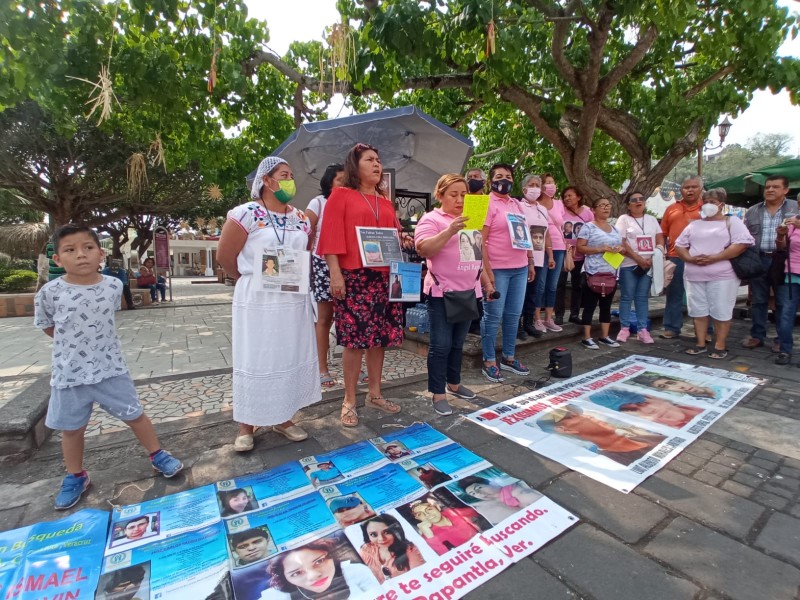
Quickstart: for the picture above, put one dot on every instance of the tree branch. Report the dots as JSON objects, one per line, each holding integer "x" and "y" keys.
{"x": 721, "y": 73}
{"x": 531, "y": 105}
{"x": 626, "y": 65}
{"x": 474, "y": 107}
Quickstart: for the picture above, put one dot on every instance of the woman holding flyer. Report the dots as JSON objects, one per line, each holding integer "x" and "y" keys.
{"x": 364, "y": 317}
{"x": 274, "y": 347}
{"x": 437, "y": 240}
{"x": 507, "y": 268}
{"x": 641, "y": 235}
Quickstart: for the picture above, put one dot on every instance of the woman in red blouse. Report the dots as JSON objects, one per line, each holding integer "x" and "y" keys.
{"x": 364, "y": 317}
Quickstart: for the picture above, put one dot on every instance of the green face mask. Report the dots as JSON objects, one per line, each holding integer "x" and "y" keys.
{"x": 286, "y": 191}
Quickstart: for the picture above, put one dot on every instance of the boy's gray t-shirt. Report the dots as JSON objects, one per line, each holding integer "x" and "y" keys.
{"x": 86, "y": 348}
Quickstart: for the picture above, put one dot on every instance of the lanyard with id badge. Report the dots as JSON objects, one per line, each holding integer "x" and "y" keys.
{"x": 282, "y": 269}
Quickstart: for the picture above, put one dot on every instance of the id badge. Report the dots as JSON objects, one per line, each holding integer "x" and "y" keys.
{"x": 644, "y": 244}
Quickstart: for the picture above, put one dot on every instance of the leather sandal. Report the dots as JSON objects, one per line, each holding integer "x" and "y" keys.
{"x": 383, "y": 404}
{"x": 349, "y": 416}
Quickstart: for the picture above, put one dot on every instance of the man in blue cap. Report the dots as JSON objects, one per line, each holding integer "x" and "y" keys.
{"x": 350, "y": 509}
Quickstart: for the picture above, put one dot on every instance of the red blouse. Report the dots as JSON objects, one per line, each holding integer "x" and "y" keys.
{"x": 345, "y": 210}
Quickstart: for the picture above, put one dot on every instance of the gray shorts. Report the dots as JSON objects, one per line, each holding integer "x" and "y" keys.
{"x": 70, "y": 408}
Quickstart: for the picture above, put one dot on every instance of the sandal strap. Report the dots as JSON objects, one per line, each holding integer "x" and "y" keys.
{"x": 383, "y": 401}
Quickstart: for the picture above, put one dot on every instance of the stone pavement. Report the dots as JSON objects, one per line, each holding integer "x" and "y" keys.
{"x": 721, "y": 521}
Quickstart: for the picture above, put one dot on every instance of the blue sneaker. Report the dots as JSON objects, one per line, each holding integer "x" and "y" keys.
{"x": 72, "y": 489}
{"x": 492, "y": 374}
{"x": 514, "y": 366}
{"x": 166, "y": 464}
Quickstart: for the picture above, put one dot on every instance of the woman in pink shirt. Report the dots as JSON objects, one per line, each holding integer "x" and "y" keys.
{"x": 508, "y": 266}
{"x": 706, "y": 247}
{"x": 575, "y": 216}
{"x": 547, "y": 280}
{"x": 450, "y": 268}
{"x": 788, "y": 293}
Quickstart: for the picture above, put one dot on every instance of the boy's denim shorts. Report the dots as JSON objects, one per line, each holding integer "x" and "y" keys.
{"x": 70, "y": 408}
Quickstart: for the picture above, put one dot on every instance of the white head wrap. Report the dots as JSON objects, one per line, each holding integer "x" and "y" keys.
{"x": 267, "y": 165}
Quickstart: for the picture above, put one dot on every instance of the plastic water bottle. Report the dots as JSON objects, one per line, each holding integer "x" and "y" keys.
{"x": 423, "y": 325}
{"x": 412, "y": 318}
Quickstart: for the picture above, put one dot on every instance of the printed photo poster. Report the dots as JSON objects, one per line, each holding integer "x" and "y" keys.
{"x": 284, "y": 270}
{"x": 621, "y": 423}
{"x": 138, "y": 524}
{"x": 518, "y": 231}
{"x": 405, "y": 282}
{"x": 443, "y": 464}
{"x": 260, "y": 490}
{"x": 571, "y": 228}
{"x": 190, "y": 566}
{"x": 379, "y": 246}
{"x": 410, "y": 442}
{"x": 343, "y": 463}
{"x": 61, "y": 558}
{"x": 538, "y": 233}
{"x": 469, "y": 245}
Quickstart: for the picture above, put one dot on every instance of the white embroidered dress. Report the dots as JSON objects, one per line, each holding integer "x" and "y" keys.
{"x": 275, "y": 370}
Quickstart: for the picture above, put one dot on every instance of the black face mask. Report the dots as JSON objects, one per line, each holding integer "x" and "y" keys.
{"x": 475, "y": 186}
{"x": 502, "y": 186}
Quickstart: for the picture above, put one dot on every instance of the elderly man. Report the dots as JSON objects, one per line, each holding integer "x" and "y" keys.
{"x": 674, "y": 221}
{"x": 763, "y": 220}
{"x": 476, "y": 180}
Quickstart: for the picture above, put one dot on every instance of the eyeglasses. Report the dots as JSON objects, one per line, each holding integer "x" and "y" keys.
{"x": 636, "y": 200}
{"x": 603, "y": 205}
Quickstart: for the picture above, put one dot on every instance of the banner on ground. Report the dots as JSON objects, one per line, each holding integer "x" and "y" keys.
{"x": 621, "y": 423}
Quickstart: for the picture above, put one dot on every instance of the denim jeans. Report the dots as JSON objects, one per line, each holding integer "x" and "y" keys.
{"x": 634, "y": 289}
{"x": 673, "y": 310}
{"x": 759, "y": 301}
{"x": 446, "y": 347}
{"x": 787, "y": 313}
{"x": 506, "y": 309}
{"x": 547, "y": 282}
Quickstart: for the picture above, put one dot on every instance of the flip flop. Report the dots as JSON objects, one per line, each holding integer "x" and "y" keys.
{"x": 363, "y": 377}
{"x": 349, "y": 416}
{"x": 719, "y": 354}
{"x": 695, "y": 350}
{"x": 326, "y": 381}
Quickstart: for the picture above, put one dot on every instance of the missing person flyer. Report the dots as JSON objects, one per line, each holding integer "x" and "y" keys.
{"x": 379, "y": 246}
{"x": 443, "y": 464}
{"x": 296, "y": 521}
{"x": 364, "y": 497}
{"x": 260, "y": 490}
{"x": 161, "y": 518}
{"x": 190, "y": 566}
{"x": 56, "y": 559}
{"x": 410, "y": 442}
{"x": 343, "y": 463}
{"x": 405, "y": 282}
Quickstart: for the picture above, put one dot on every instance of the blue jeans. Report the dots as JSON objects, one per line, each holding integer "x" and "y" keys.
{"x": 673, "y": 310}
{"x": 759, "y": 301}
{"x": 787, "y": 313}
{"x": 446, "y": 347}
{"x": 507, "y": 308}
{"x": 633, "y": 289}
{"x": 547, "y": 282}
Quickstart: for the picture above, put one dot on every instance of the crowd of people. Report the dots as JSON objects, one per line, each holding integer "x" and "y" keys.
{"x": 509, "y": 275}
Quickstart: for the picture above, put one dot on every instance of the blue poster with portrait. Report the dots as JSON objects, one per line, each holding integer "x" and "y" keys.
{"x": 158, "y": 519}
{"x": 443, "y": 464}
{"x": 260, "y": 490}
{"x": 54, "y": 559}
{"x": 409, "y": 442}
{"x": 341, "y": 464}
{"x": 189, "y": 566}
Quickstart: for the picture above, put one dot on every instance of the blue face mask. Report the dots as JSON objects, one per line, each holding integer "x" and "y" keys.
{"x": 475, "y": 186}
{"x": 502, "y": 186}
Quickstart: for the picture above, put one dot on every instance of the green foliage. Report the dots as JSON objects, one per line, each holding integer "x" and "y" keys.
{"x": 17, "y": 281}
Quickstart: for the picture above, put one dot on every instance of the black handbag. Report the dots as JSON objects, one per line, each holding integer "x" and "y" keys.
{"x": 777, "y": 268}
{"x": 459, "y": 306}
{"x": 748, "y": 265}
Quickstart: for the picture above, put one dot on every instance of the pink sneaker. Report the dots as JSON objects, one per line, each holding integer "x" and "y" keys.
{"x": 551, "y": 325}
{"x": 623, "y": 335}
{"x": 644, "y": 337}
{"x": 539, "y": 326}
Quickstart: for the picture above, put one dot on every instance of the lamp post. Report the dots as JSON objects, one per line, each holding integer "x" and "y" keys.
{"x": 723, "y": 129}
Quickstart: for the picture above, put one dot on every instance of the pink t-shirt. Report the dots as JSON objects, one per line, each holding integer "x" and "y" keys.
{"x": 555, "y": 216}
{"x": 711, "y": 237}
{"x": 452, "y": 273}
{"x": 794, "y": 250}
{"x": 572, "y": 225}
{"x": 539, "y": 223}
{"x": 498, "y": 238}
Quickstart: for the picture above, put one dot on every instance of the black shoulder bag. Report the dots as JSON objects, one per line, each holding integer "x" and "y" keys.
{"x": 459, "y": 306}
{"x": 748, "y": 264}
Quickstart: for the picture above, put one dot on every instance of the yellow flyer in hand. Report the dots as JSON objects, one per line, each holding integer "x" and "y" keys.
{"x": 475, "y": 207}
{"x": 613, "y": 258}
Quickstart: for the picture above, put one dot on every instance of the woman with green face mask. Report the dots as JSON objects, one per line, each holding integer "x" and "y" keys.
{"x": 274, "y": 346}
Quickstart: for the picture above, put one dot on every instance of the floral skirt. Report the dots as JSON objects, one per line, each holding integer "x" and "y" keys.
{"x": 365, "y": 318}
{"x": 320, "y": 280}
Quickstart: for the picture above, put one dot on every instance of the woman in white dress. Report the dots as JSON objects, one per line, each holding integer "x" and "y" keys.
{"x": 274, "y": 347}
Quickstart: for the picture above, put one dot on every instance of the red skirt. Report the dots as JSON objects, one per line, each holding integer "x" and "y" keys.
{"x": 365, "y": 318}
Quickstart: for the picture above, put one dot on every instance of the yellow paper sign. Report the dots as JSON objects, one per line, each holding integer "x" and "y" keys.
{"x": 613, "y": 258}
{"x": 475, "y": 207}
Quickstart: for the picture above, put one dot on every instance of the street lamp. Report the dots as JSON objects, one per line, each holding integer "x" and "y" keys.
{"x": 723, "y": 128}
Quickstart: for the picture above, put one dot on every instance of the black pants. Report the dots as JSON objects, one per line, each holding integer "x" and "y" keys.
{"x": 575, "y": 296}
{"x": 126, "y": 291}
{"x": 590, "y": 300}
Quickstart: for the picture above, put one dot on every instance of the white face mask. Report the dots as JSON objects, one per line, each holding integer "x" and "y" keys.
{"x": 709, "y": 210}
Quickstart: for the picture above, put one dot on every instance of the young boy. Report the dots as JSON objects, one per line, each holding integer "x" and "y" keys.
{"x": 77, "y": 311}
